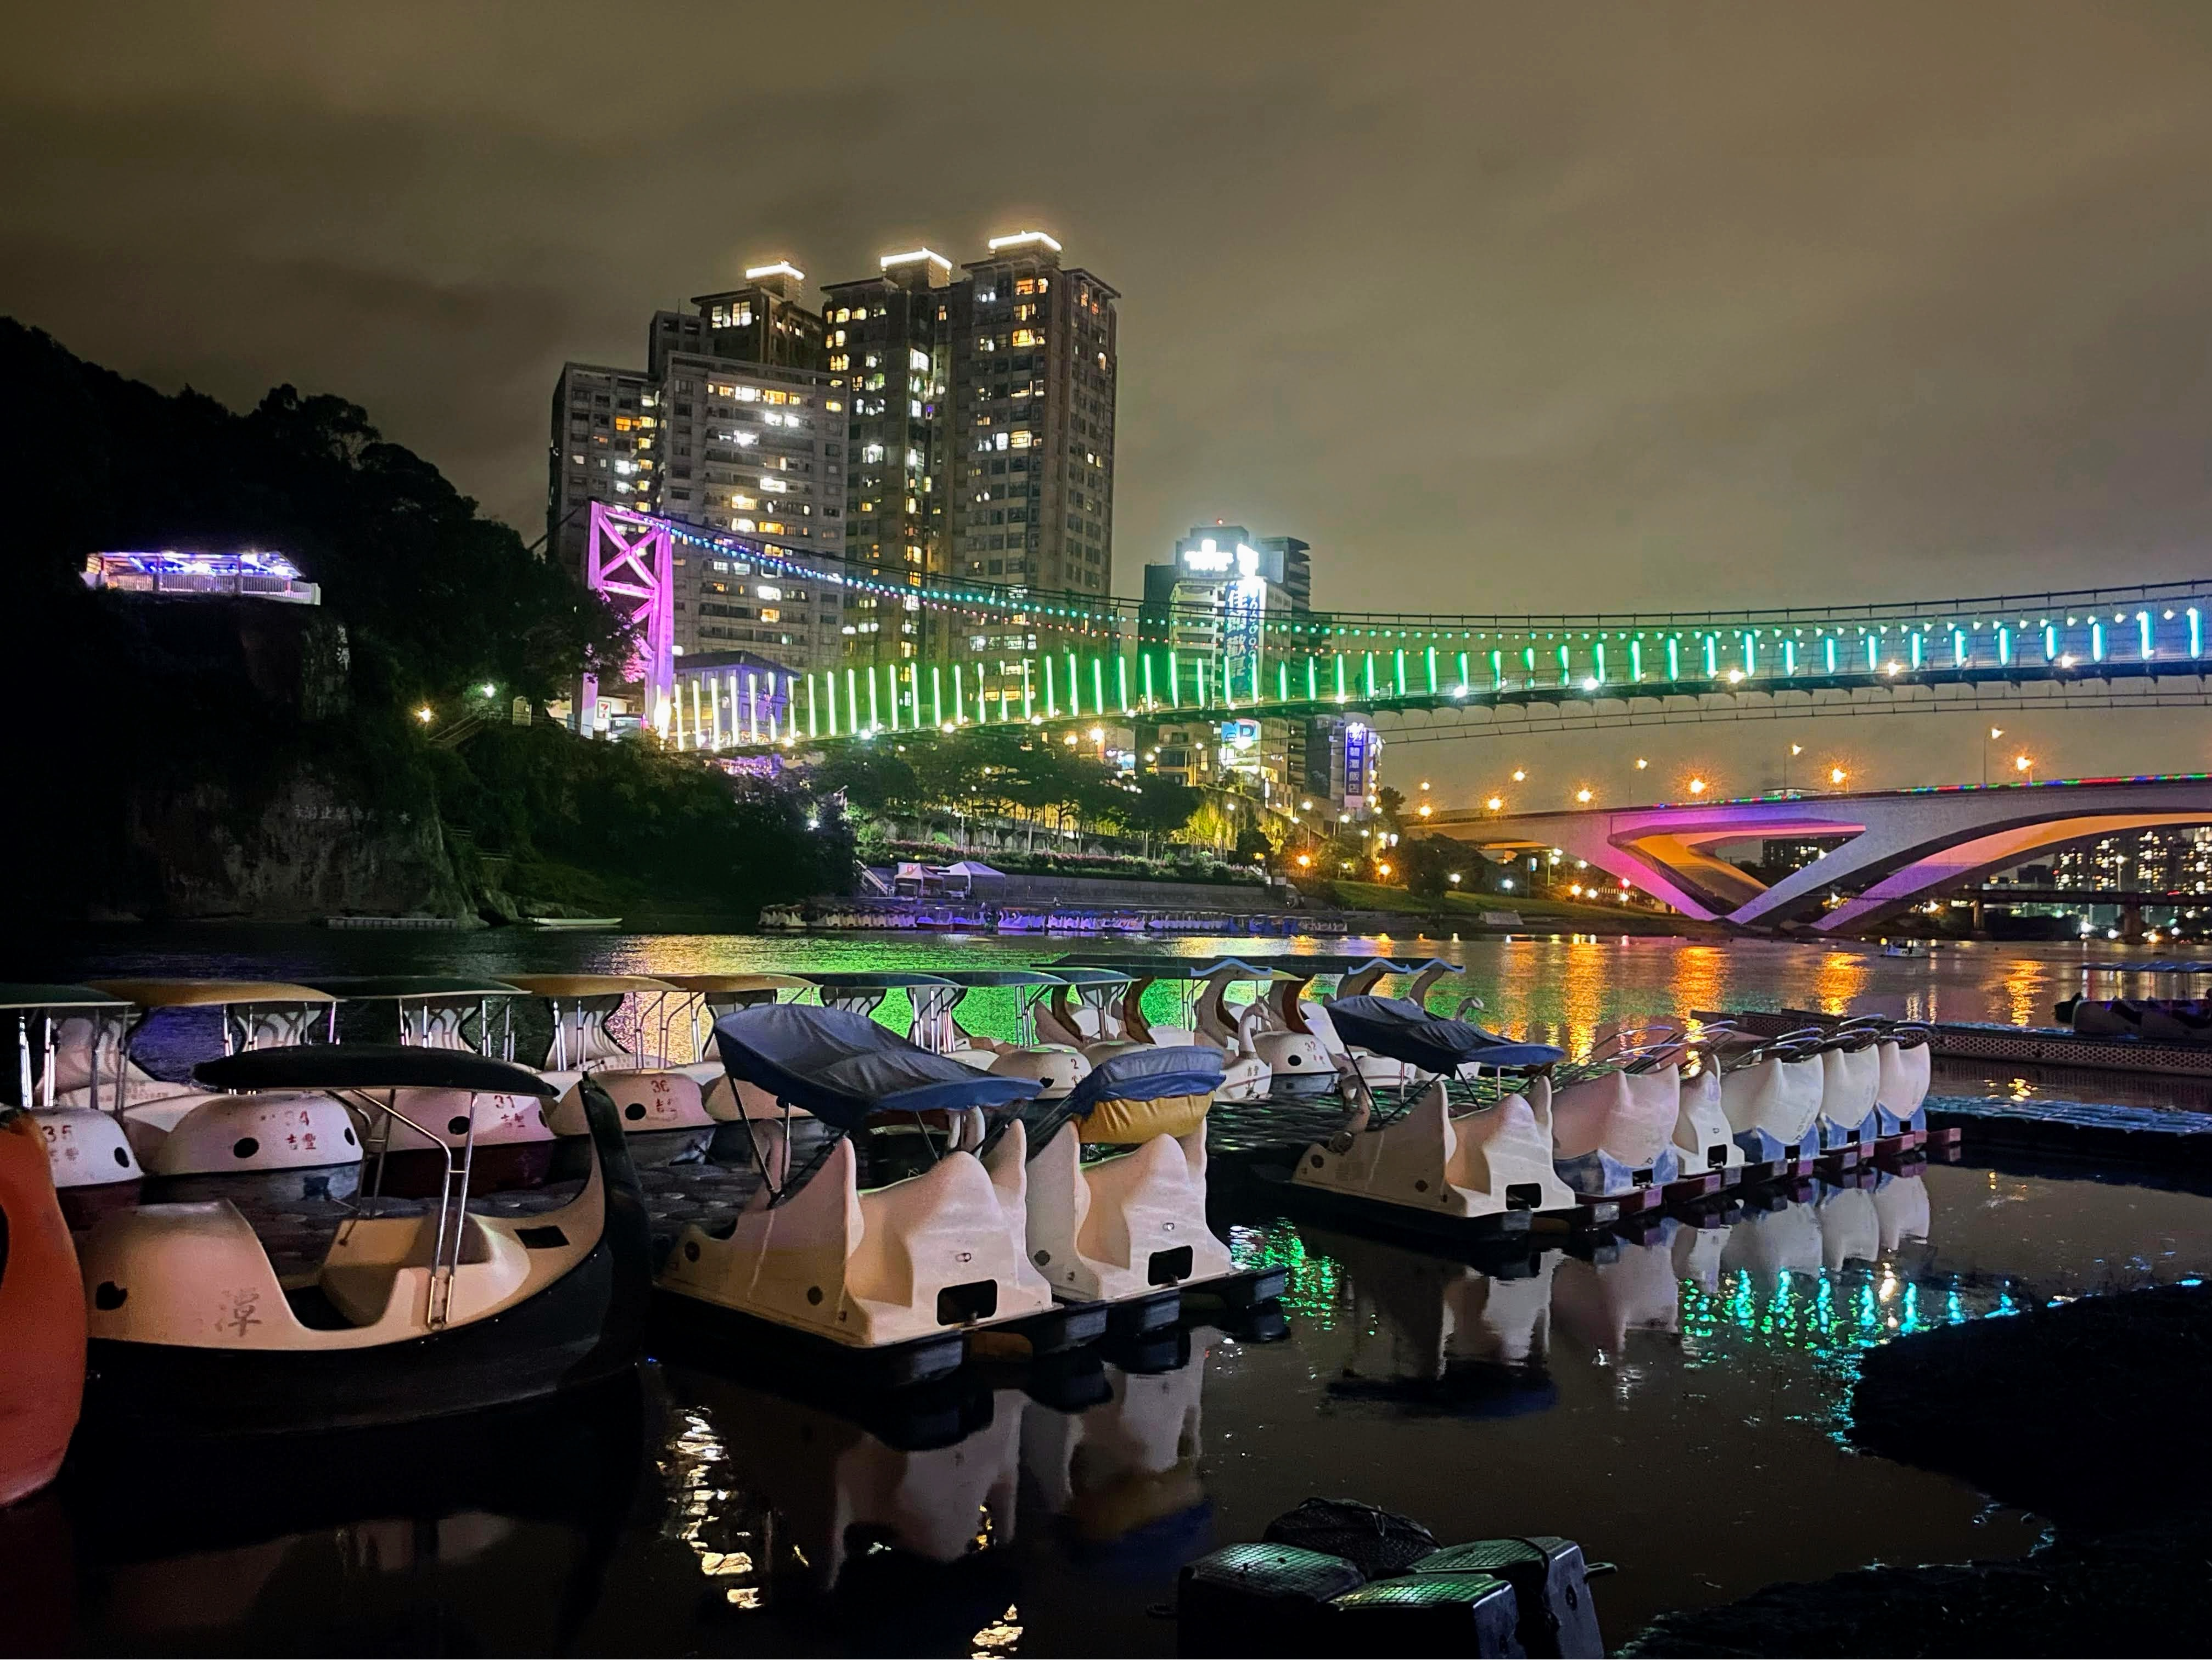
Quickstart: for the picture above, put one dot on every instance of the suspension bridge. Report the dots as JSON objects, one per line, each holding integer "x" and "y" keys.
{"x": 1106, "y": 660}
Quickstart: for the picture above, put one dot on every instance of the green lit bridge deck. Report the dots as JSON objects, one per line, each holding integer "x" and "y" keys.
{"x": 1376, "y": 665}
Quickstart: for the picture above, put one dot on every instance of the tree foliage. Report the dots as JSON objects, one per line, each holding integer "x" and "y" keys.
{"x": 424, "y": 599}
{"x": 1427, "y": 863}
{"x": 1008, "y": 771}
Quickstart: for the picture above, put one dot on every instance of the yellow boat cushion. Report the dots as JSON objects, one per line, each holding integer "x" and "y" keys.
{"x": 1116, "y": 1123}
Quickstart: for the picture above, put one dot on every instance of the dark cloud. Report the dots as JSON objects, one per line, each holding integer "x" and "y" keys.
{"x": 1500, "y": 306}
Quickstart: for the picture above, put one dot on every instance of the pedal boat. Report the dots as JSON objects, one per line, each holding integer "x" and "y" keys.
{"x": 1423, "y": 1161}
{"x": 1057, "y": 1067}
{"x": 705, "y": 998}
{"x": 1350, "y": 975}
{"x": 408, "y": 1317}
{"x": 1614, "y": 1118}
{"x": 514, "y": 1143}
{"x": 1771, "y": 1092}
{"x": 1298, "y": 1063}
{"x": 293, "y": 1143}
{"x": 1244, "y": 1077}
{"x": 876, "y": 1287}
{"x": 41, "y": 1305}
{"x": 657, "y": 1095}
{"x": 1128, "y": 1228}
{"x": 59, "y": 1032}
{"x": 1903, "y": 1072}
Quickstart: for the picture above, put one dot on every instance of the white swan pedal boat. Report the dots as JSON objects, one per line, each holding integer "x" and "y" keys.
{"x": 408, "y": 1317}
{"x": 280, "y": 1143}
{"x": 879, "y": 1286}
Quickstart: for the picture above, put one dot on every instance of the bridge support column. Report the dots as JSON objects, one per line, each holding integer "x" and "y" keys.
{"x": 2131, "y": 922}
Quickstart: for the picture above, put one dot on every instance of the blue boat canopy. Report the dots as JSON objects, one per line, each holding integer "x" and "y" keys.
{"x": 1150, "y": 1073}
{"x": 1402, "y": 1030}
{"x": 844, "y": 1068}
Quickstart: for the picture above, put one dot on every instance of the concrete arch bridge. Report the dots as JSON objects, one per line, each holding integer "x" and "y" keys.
{"x": 1904, "y": 846}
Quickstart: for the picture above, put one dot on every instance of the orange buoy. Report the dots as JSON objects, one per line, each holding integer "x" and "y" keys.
{"x": 42, "y": 1311}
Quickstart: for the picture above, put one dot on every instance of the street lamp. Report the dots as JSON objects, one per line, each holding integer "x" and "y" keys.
{"x": 1496, "y": 804}
{"x": 1452, "y": 877}
{"x": 1696, "y": 786}
{"x": 1837, "y": 775}
{"x": 1519, "y": 776}
{"x": 425, "y": 714}
{"x": 1996, "y": 733}
{"x": 1795, "y": 749}
{"x": 2025, "y": 763}
{"x": 1582, "y": 795}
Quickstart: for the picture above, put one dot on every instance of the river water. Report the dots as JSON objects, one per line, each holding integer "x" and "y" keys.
{"x": 1673, "y": 1405}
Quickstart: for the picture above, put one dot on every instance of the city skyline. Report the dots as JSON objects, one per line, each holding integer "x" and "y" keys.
{"x": 1512, "y": 308}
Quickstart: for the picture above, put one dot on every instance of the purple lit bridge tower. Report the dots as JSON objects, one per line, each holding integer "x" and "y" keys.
{"x": 629, "y": 557}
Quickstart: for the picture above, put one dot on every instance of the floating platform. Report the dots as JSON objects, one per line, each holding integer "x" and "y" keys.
{"x": 2165, "y": 1137}
{"x": 1267, "y": 1173}
{"x": 2041, "y": 1046}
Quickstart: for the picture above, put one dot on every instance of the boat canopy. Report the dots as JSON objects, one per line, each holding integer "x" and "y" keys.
{"x": 976, "y": 979}
{"x": 871, "y": 980}
{"x": 1150, "y": 1073}
{"x": 1151, "y": 968}
{"x": 1318, "y": 963}
{"x": 370, "y": 1067}
{"x": 26, "y": 997}
{"x": 844, "y": 1068}
{"x": 1403, "y": 1030}
{"x": 209, "y": 994}
{"x": 586, "y": 985}
{"x": 730, "y": 985}
{"x": 415, "y": 988}
{"x": 1083, "y": 975}
{"x": 1238, "y": 968}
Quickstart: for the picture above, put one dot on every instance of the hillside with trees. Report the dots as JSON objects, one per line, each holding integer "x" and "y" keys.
{"x": 204, "y": 756}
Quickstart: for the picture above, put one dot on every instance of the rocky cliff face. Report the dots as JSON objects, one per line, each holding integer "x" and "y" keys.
{"x": 306, "y": 851}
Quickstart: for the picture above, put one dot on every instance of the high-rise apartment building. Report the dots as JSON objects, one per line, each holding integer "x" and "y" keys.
{"x": 604, "y": 424}
{"x": 754, "y": 451}
{"x": 926, "y": 424}
{"x": 884, "y": 341}
{"x": 753, "y": 445}
{"x": 1034, "y": 363}
{"x": 1211, "y": 631}
{"x": 765, "y": 321}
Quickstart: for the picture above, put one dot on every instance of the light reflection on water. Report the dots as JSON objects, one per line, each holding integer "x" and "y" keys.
{"x": 1564, "y": 991}
{"x": 1672, "y": 1403}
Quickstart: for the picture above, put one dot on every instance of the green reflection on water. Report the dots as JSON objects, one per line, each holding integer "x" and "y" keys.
{"x": 1838, "y": 1316}
{"x": 1317, "y": 1289}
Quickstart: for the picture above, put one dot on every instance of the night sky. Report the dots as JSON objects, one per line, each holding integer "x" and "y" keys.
{"x": 1511, "y": 307}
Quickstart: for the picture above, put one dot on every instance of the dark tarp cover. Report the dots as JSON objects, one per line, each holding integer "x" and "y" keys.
{"x": 843, "y": 1068}
{"x": 369, "y": 1066}
{"x": 1402, "y": 1030}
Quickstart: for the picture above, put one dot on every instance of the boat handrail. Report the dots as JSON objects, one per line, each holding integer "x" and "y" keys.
{"x": 446, "y": 1251}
